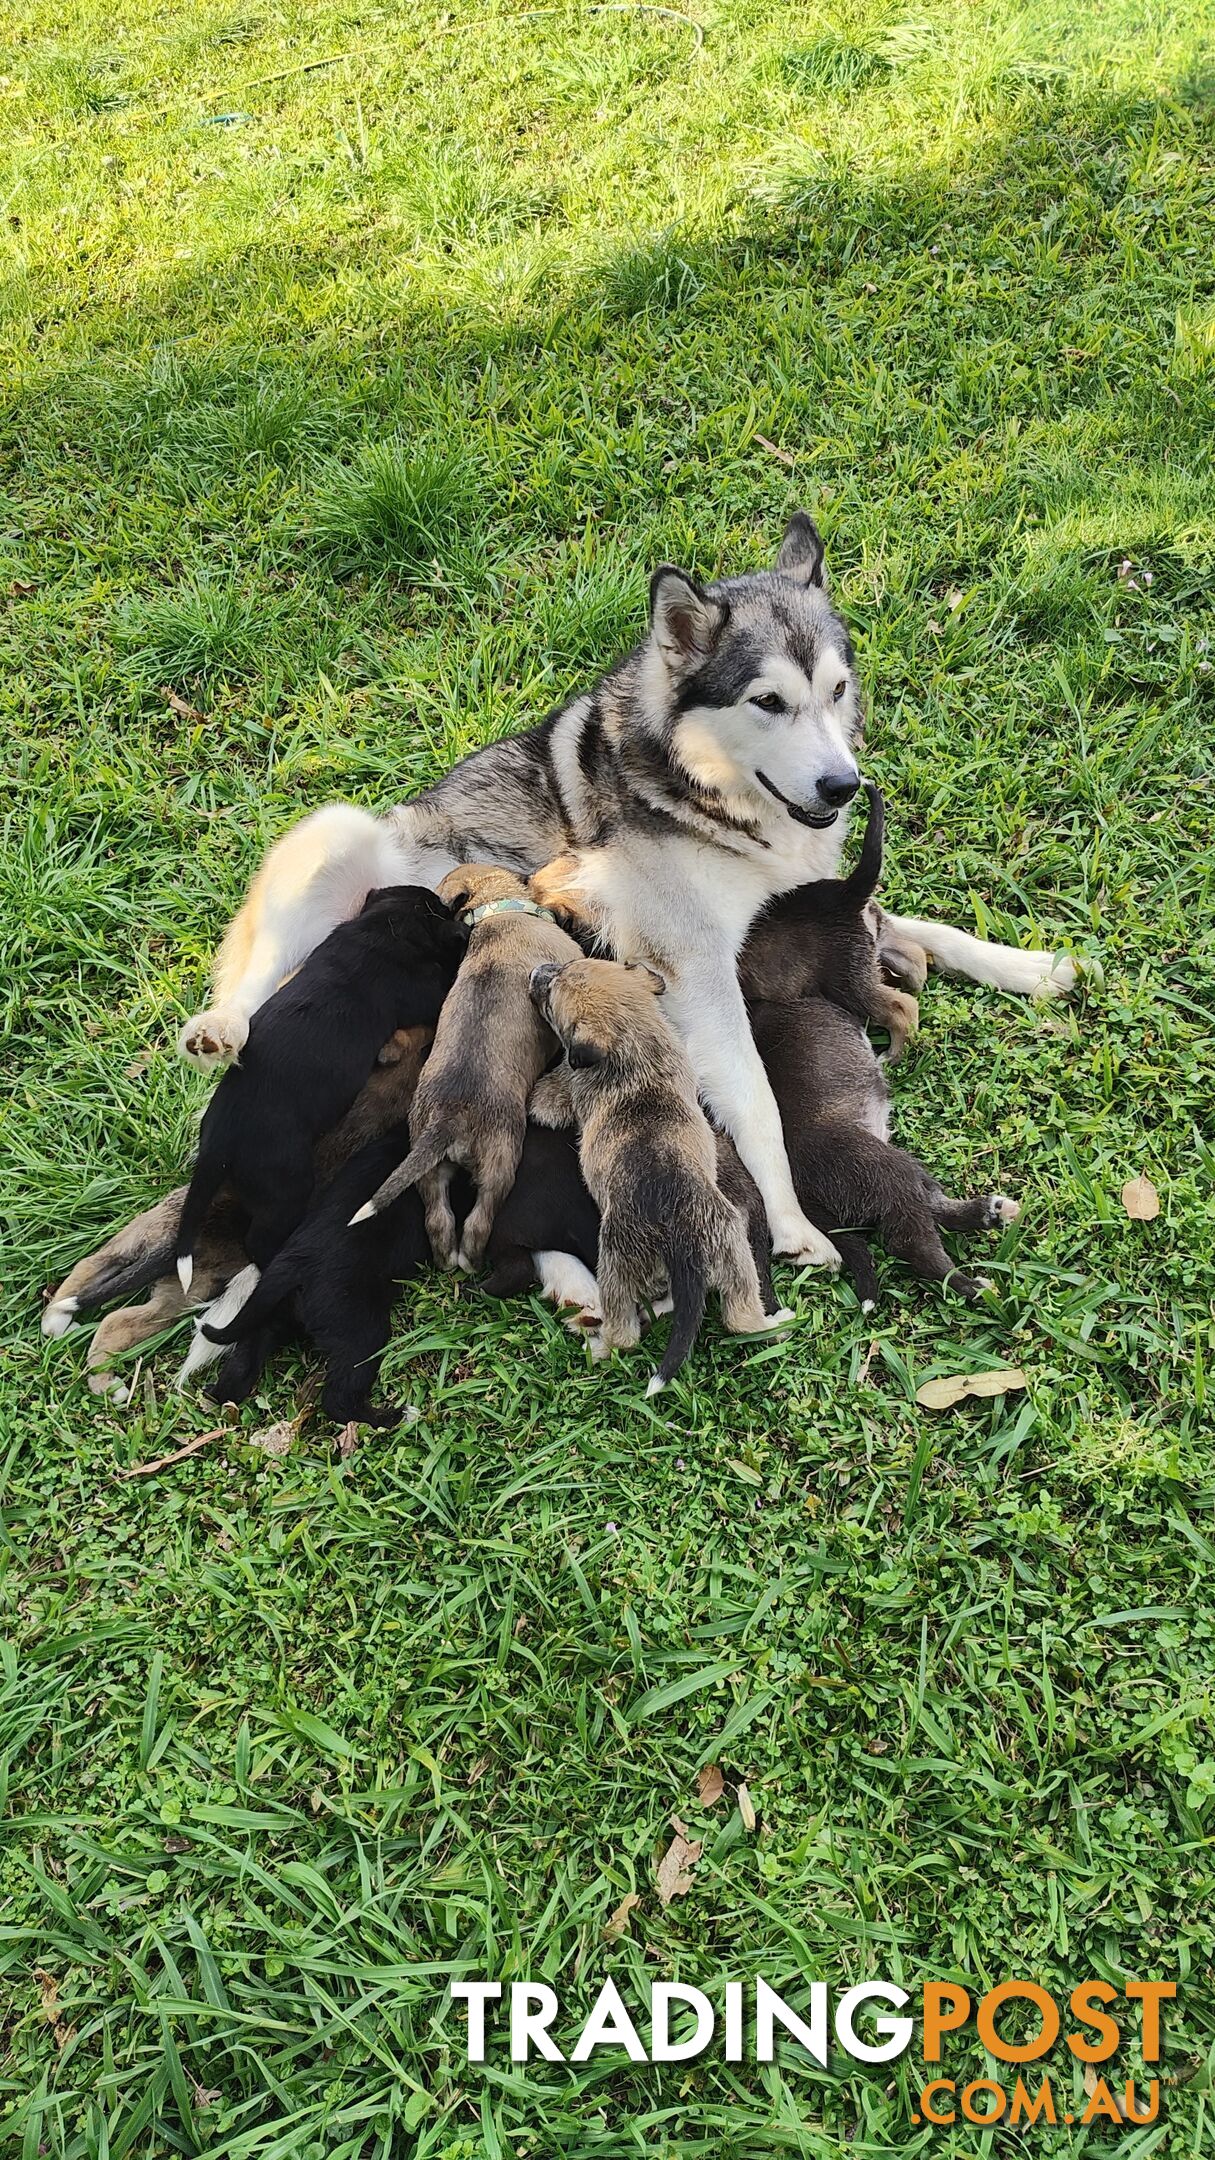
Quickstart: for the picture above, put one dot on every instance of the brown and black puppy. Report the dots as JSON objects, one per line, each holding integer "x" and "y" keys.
{"x": 490, "y": 1048}
{"x": 819, "y": 941}
{"x": 649, "y": 1158}
{"x": 311, "y": 1049}
{"x": 834, "y": 1108}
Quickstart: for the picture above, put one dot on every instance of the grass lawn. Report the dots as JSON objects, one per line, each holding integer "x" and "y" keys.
{"x": 345, "y": 412}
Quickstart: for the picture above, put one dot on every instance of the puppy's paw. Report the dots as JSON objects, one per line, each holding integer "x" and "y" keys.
{"x": 1002, "y": 1210}
{"x": 798, "y": 1240}
{"x": 110, "y": 1384}
{"x": 559, "y": 886}
{"x": 213, "y": 1039}
{"x": 59, "y": 1315}
{"x": 598, "y": 1348}
{"x": 579, "y": 1322}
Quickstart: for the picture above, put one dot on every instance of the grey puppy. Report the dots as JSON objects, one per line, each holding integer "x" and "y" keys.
{"x": 491, "y": 1046}
{"x": 649, "y": 1158}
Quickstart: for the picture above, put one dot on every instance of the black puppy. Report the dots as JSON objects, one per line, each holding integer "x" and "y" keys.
{"x": 834, "y": 1107}
{"x": 335, "y": 1284}
{"x": 311, "y": 1047}
{"x": 818, "y": 941}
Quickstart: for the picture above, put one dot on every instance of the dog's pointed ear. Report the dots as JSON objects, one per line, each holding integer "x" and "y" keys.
{"x": 685, "y": 621}
{"x": 801, "y": 551}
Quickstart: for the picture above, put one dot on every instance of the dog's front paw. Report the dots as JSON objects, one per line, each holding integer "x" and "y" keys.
{"x": 213, "y": 1038}
{"x": 799, "y": 1241}
{"x": 1000, "y": 1209}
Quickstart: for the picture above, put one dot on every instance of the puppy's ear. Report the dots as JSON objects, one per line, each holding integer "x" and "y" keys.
{"x": 685, "y": 622}
{"x": 657, "y": 983}
{"x": 582, "y": 1053}
{"x": 801, "y": 551}
{"x": 541, "y": 980}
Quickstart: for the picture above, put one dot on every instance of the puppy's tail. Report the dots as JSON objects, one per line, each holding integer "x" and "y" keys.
{"x": 688, "y": 1291}
{"x": 862, "y": 881}
{"x": 426, "y": 1156}
{"x": 209, "y": 1174}
{"x": 273, "y": 1285}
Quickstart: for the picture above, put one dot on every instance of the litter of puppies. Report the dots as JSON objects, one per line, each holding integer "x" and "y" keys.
{"x": 460, "y": 1076}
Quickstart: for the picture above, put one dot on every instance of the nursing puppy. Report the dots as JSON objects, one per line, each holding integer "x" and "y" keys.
{"x": 548, "y": 1226}
{"x": 835, "y": 1109}
{"x": 818, "y": 942}
{"x": 491, "y": 1046}
{"x": 335, "y": 1284}
{"x": 649, "y": 1159}
{"x": 311, "y": 1049}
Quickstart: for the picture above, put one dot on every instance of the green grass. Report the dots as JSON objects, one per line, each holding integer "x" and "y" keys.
{"x": 357, "y": 422}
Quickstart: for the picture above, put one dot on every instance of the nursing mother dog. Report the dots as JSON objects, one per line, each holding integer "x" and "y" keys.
{"x": 707, "y": 772}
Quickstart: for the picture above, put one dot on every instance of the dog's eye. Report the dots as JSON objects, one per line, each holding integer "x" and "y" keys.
{"x": 770, "y": 701}
{"x": 838, "y": 692}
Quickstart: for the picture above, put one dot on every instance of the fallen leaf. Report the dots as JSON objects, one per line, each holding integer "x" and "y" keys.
{"x": 674, "y": 1872}
{"x": 348, "y": 1440}
{"x": 205, "y": 2095}
{"x": 48, "y": 1989}
{"x": 710, "y": 1785}
{"x": 954, "y": 599}
{"x": 1092, "y": 2083}
{"x": 786, "y": 456}
{"x": 275, "y": 1439}
{"x": 743, "y": 1470}
{"x": 745, "y": 1808}
{"x": 618, "y": 1924}
{"x": 479, "y": 1768}
{"x": 138, "y": 1065}
{"x": 181, "y": 707}
{"x": 943, "y": 1394}
{"x": 1141, "y": 1199}
{"x": 21, "y": 588}
{"x": 162, "y": 1462}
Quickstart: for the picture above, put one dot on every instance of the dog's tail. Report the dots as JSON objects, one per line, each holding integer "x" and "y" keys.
{"x": 689, "y": 1288}
{"x": 861, "y": 882}
{"x": 426, "y": 1156}
{"x": 209, "y": 1173}
{"x": 274, "y": 1284}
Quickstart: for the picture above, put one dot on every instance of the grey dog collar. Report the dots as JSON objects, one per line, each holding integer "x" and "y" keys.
{"x": 506, "y": 907}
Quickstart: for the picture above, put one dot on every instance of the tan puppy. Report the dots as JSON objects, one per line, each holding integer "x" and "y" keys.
{"x": 490, "y": 1048}
{"x": 649, "y": 1158}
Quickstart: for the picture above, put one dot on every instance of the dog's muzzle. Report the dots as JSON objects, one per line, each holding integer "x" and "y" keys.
{"x": 817, "y": 819}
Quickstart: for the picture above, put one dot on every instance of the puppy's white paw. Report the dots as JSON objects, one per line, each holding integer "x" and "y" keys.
{"x": 213, "y": 1038}
{"x": 108, "y": 1383}
{"x": 58, "y": 1315}
{"x": 655, "y": 1386}
{"x": 798, "y": 1240}
{"x": 598, "y": 1348}
{"x": 1001, "y": 1209}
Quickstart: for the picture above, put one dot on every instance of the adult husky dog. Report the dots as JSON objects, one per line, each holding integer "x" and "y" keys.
{"x": 705, "y": 774}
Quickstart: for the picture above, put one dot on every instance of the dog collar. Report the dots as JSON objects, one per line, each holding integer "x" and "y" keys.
{"x": 506, "y": 907}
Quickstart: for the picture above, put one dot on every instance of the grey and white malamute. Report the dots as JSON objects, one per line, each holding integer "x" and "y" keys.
{"x": 708, "y": 771}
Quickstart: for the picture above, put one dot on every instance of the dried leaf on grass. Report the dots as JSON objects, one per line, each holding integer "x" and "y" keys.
{"x": 618, "y": 1924}
{"x": 276, "y": 1439}
{"x": 710, "y": 1785}
{"x": 191, "y": 1447}
{"x": 48, "y": 1990}
{"x": 181, "y": 707}
{"x": 348, "y": 1440}
{"x": 1093, "y": 2084}
{"x": 746, "y": 1808}
{"x": 674, "y": 1873}
{"x": 959, "y": 1387}
{"x": 1141, "y": 1199}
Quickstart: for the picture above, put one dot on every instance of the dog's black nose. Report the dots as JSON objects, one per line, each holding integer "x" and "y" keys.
{"x": 837, "y": 788}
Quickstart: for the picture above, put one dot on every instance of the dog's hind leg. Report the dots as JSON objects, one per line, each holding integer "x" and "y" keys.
{"x": 435, "y": 1190}
{"x": 734, "y": 1272}
{"x": 496, "y": 1169}
{"x": 989, "y": 1213}
{"x": 621, "y": 1325}
{"x": 909, "y": 1233}
{"x": 316, "y": 876}
{"x": 126, "y": 1329}
{"x": 132, "y": 1259}
{"x": 1005, "y": 967}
